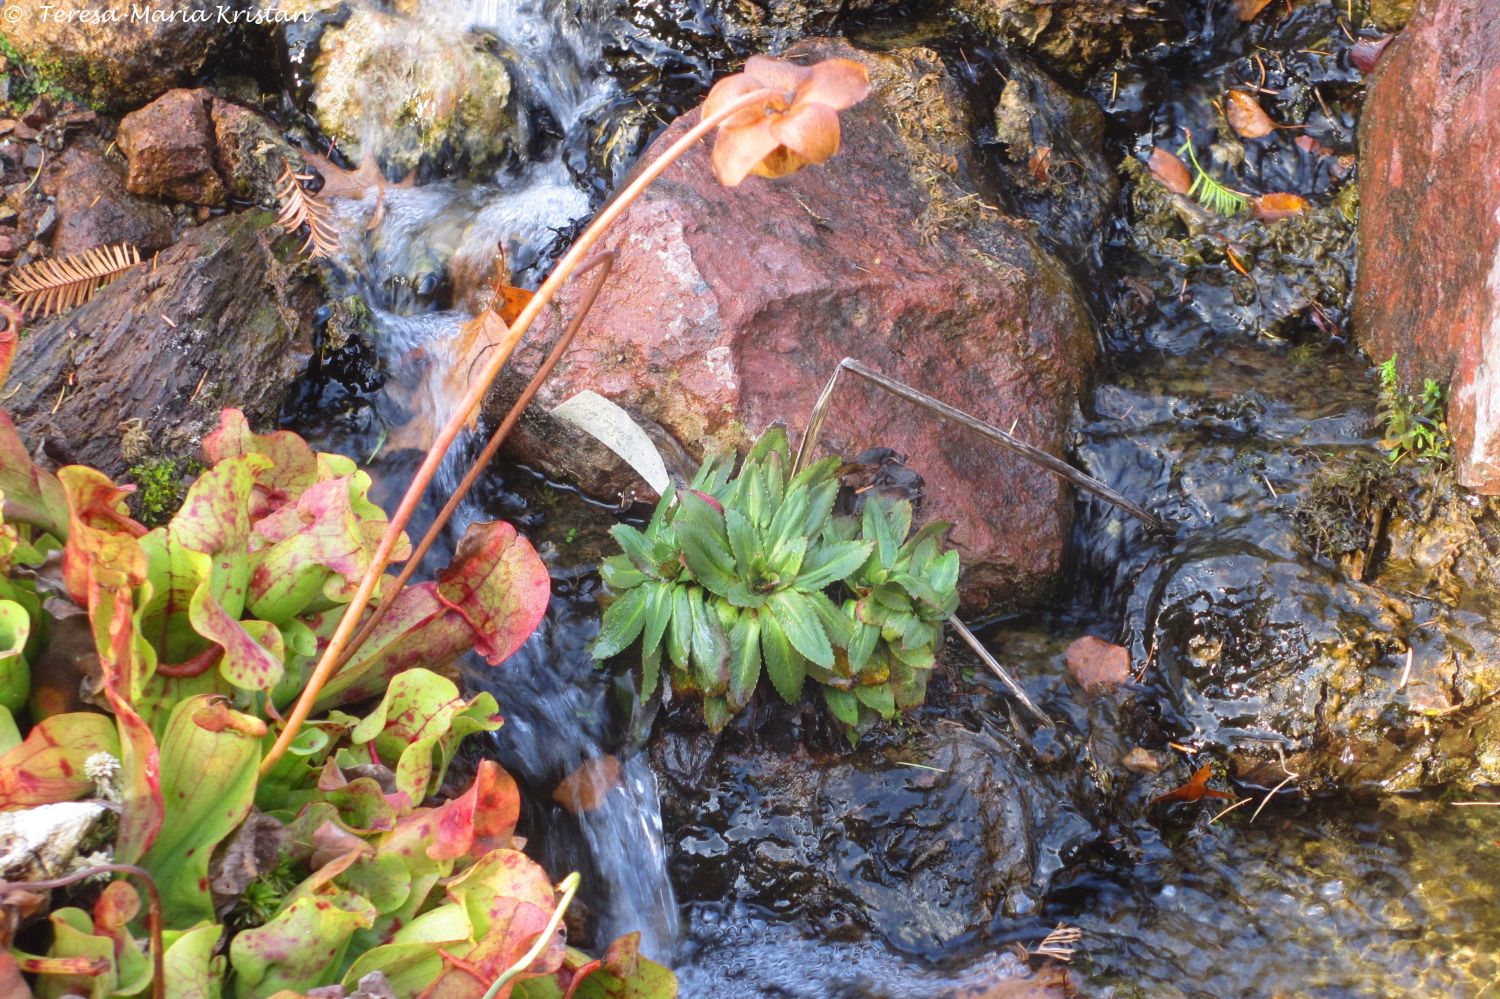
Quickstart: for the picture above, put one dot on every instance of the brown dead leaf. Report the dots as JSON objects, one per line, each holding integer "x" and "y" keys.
{"x": 1040, "y": 164}
{"x": 1365, "y": 53}
{"x": 1096, "y": 663}
{"x": 1170, "y": 170}
{"x": 584, "y": 789}
{"x": 1246, "y": 116}
{"x": 1270, "y": 207}
{"x": 1248, "y": 9}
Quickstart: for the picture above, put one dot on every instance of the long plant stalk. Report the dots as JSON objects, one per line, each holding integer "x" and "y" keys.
{"x": 1016, "y": 690}
{"x": 605, "y": 260}
{"x": 988, "y": 431}
{"x": 333, "y": 653}
{"x": 153, "y": 910}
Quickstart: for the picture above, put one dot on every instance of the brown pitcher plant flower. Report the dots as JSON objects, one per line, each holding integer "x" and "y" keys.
{"x": 795, "y": 125}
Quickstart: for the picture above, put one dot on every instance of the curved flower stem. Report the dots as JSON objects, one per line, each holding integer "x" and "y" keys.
{"x": 606, "y": 260}
{"x": 569, "y": 888}
{"x": 569, "y": 263}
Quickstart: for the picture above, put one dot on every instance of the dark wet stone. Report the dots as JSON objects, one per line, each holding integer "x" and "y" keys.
{"x": 1265, "y": 647}
{"x": 919, "y": 844}
{"x": 221, "y": 318}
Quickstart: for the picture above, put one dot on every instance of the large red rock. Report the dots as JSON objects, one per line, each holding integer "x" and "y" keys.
{"x": 729, "y": 309}
{"x": 1429, "y": 219}
{"x": 170, "y": 144}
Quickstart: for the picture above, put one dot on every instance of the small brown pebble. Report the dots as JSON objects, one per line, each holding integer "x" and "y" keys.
{"x": 1096, "y": 663}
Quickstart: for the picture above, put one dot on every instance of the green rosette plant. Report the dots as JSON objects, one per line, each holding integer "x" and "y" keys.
{"x": 739, "y": 575}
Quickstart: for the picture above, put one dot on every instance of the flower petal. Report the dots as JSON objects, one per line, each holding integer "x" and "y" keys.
{"x": 781, "y": 162}
{"x": 729, "y": 90}
{"x": 778, "y": 74}
{"x": 737, "y": 151}
{"x": 810, "y": 130}
{"x": 838, "y": 83}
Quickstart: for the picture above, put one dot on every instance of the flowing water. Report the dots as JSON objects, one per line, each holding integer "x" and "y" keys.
{"x": 1194, "y": 412}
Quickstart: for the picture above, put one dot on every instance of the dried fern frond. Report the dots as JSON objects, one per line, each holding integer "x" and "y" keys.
{"x": 1060, "y": 944}
{"x": 1209, "y": 192}
{"x": 48, "y": 287}
{"x": 299, "y": 208}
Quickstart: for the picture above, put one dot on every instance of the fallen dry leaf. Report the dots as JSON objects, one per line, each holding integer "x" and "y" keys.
{"x": 1170, "y": 170}
{"x": 1246, "y": 116}
{"x": 1270, "y": 207}
{"x": 1096, "y": 663}
{"x": 584, "y": 789}
{"x": 1040, "y": 164}
{"x": 1365, "y": 53}
{"x": 1141, "y": 761}
{"x": 1196, "y": 789}
{"x": 1248, "y": 9}
{"x": 1308, "y": 144}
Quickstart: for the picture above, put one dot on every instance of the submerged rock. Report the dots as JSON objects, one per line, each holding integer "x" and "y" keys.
{"x": 108, "y": 56}
{"x": 221, "y": 318}
{"x": 1072, "y": 36}
{"x": 1376, "y": 669}
{"x": 385, "y": 85}
{"x": 1429, "y": 234}
{"x": 728, "y": 309}
{"x": 919, "y": 845}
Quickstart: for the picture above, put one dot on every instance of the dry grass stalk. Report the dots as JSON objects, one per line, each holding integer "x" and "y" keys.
{"x": 47, "y": 287}
{"x": 299, "y": 208}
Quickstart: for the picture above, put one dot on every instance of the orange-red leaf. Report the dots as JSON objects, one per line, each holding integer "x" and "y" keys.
{"x": 1246, "y": 116}
{"x": 584, "y": 789}
{"x": 1248, "y": 9}
{"x": 1278, "y": 206}
{"x": 1196, "y": 789}
{"x": 1170, "y": 170}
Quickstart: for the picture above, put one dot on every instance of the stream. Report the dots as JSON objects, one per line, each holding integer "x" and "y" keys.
{"x": 1212, "y": 405}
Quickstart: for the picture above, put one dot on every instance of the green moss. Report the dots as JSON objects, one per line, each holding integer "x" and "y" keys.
{"x": 1349, "y": 499}
{"x": 33, "y": 78}
{"x": 160, "y": 487}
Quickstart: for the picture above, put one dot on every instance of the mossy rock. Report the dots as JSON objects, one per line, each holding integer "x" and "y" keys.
{"x": 406, "y": 93}
{"x": 111, "y": 58}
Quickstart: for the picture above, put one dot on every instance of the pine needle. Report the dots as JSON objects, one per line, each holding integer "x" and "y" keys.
{"x": 1210, "y": 193}
{"x": 299, "y": 208}
{"x": 48, "y": 287}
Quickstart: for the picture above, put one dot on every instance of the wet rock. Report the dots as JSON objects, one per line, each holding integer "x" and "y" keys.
{"x": 1071, "y": 36}
{"x": 224, "y": 317}
{"x": 170, "y": 146}
{"x": 774, "y": 24}
{"x": 728, "y": 309}
{"x": 384, "y": 84}
{"x": 109, "y": 57}
{"x": 249, "y": 152}
{"x": 1052, "y": 144}
{"x": 919, "y": 844}
{"x": 94, "y": 208}
{"x": 1375, "y": 673}
{"x": 1429, "y": 196}
{"x": 1097, "y": 664}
